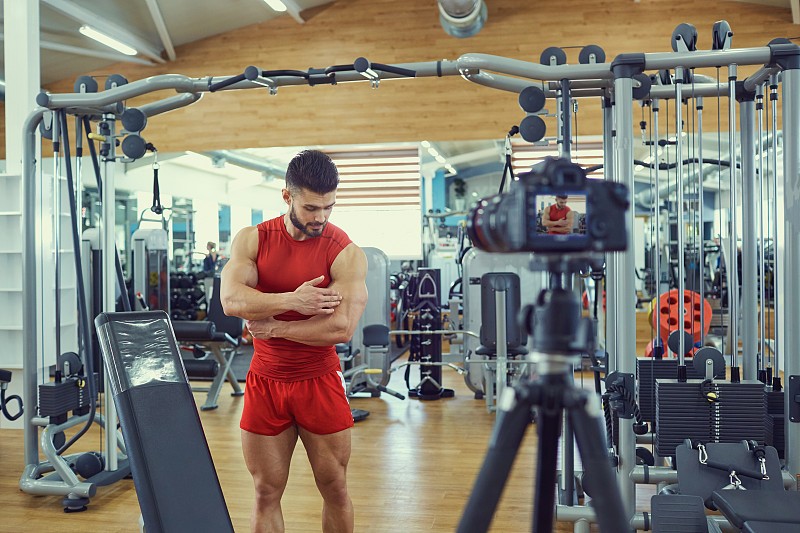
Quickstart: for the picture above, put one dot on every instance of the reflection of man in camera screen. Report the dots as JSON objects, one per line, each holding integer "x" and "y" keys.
{"x": 557, "y": 218}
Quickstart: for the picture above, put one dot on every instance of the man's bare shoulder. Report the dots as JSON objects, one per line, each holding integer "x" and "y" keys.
{"x": 351, "y": 261}
{"x": 245, "y": 243}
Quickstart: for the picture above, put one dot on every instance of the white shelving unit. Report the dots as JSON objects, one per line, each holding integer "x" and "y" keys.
{"x": 11, "y": 329}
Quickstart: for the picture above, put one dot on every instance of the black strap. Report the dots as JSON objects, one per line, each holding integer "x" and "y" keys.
{"x": 156, "y": 207}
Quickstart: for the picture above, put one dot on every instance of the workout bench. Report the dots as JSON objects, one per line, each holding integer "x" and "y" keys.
{"x": 176, "y": 483}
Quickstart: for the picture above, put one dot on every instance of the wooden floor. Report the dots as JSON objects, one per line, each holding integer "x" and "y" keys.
{"x": 412, "y": 469}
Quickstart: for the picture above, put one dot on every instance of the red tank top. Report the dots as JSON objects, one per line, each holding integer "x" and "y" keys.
{"x": 283, "y": 265}
{"x": 557, "y": 214}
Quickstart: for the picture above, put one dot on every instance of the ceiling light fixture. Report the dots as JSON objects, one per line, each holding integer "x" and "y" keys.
{"x": 277, "y": 5}
{"x": 102, "y": 38}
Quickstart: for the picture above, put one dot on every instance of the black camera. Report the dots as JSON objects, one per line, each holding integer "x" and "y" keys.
{"x": 553, "y": 208}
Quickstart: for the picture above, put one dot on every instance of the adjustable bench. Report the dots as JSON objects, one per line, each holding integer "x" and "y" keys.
{"x": 174, "y": 475}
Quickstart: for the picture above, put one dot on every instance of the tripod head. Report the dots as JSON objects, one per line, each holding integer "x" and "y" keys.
{"x": 555, "y": 322}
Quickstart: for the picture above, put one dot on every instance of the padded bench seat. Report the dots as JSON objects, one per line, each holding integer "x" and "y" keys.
{"x": 750, "y": 506}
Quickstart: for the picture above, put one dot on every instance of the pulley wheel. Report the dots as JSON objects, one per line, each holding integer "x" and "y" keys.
{"x": 115, "y": 80}
{"x": 532, "y": 99}
{"x": 532, "y": 128}
{"x": 85, "y": 84}
{"x": 674, "y": 342}
{"x": 708, "y": 353}
{"x": 134, "y": 120}
{"x": 643, "y": 90}
{"x": 134, "y": 146}
{"x": 553, "y": 56}
{"x": 688, "y": 34}
{"x": 591, "y": 54}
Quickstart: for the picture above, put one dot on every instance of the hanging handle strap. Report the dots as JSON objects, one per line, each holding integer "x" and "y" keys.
{"x": 156, "y": 208}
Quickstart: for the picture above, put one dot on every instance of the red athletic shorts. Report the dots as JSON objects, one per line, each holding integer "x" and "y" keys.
{"x": 318, "y": 405}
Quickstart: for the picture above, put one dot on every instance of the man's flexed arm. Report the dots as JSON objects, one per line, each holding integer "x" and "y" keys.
{"x": 239, "y": 278}
{"x": 348, "y": 275}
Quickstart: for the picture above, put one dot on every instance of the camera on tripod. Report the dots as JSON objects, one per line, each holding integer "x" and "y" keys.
{"x": 527, "y": 219}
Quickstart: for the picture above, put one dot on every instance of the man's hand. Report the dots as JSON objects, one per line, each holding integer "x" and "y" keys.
{"x": 261, "y": 329}
{"x": 312, "y": 300}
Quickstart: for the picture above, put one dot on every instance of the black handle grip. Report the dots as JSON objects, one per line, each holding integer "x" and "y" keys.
{"x": 226, "y": 83}
{"x": 395, "y": 70}
{"x": 393, "y": 393}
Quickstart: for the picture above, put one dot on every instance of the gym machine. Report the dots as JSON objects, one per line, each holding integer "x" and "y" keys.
{"x": 150, "y": 260}
{"x": 615, "y": 84}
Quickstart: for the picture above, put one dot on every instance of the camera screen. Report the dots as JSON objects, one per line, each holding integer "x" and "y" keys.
{"x": 561, "y": 214}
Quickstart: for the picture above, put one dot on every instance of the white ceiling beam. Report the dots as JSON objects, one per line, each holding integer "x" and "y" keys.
{"x": 294, "y": 10}
{"x": 77, "y": 50}
{"x": 86, "y": 16}
{"x": 161, "y": 28}
{"x": 795, "y": 11}
{"x": 68, "y": 49}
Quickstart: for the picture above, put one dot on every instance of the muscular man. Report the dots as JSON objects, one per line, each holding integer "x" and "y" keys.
{"x": 299, "y": 282}
{"x": 558, "y": 218}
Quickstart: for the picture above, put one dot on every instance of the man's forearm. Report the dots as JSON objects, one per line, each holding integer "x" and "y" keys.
{"x": 251, "y": 304}
{"x": 316, "y": 331}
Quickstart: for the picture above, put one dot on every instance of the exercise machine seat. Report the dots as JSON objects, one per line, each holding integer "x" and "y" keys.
{"x": 678, "y": 513}
{"x": 173, "y": 472}
{"x": 375, "y": 335}
{"x": 770, "y": 527}
{"x": 491, "y": 283}
{"x": 741, "y": 506}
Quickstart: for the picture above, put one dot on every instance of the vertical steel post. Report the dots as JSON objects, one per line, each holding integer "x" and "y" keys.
{"x": 680, "y": 223}
{"x": 791, "y": 262}
{"x": 733, "y": 256}
{"x": 747, "y": 109}
{"x": 624, "y": 67}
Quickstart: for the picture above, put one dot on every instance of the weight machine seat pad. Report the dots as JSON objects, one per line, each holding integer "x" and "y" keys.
{"x": 194, "y": 330}
{"x": 741, "y": 506}
{"x": 201, "y": 368}
{"x": 678, "y": 513}
{"x": 375, "y": 335}
{"x": 769, "y": 527}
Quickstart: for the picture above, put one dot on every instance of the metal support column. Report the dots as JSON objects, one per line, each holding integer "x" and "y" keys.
{"x": 791, "y": 256}
{"x": 747, "y": 117}
{"x": 625, "y": 317}
{"x": 611, "y": 277}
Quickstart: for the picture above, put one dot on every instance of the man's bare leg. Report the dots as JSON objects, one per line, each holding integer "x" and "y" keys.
{"x": 329, "y": 455}
{"x": 268, "y": 459}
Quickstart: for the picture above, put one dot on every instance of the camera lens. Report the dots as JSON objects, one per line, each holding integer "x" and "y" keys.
{"x": 488, "y": 224}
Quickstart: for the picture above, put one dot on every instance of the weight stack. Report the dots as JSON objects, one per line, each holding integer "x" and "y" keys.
{"x": 648, "y": 370}
{"x": 58, "y": 399}
{"x": 775, "y": 418}
{"x": 682, "y": 412}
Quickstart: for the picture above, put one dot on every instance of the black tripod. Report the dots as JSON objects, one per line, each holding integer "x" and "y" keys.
{"x": 560, "y": 334}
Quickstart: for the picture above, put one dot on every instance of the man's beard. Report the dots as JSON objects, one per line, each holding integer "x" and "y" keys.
{"x": 310, "y": 232}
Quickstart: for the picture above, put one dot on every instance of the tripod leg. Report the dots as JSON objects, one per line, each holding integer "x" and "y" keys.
{"x": 585, "y": 415}
{"x": 506, "y": 437}
{"x": 548, "y": 426}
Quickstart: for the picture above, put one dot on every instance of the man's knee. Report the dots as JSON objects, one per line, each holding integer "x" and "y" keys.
{"x": 268, "y": 492}
{"x": 334, "y": 489}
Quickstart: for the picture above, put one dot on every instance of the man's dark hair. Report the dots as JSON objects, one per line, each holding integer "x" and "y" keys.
{"x": 312, "y": 170}
{"x": 562, "y": 196}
